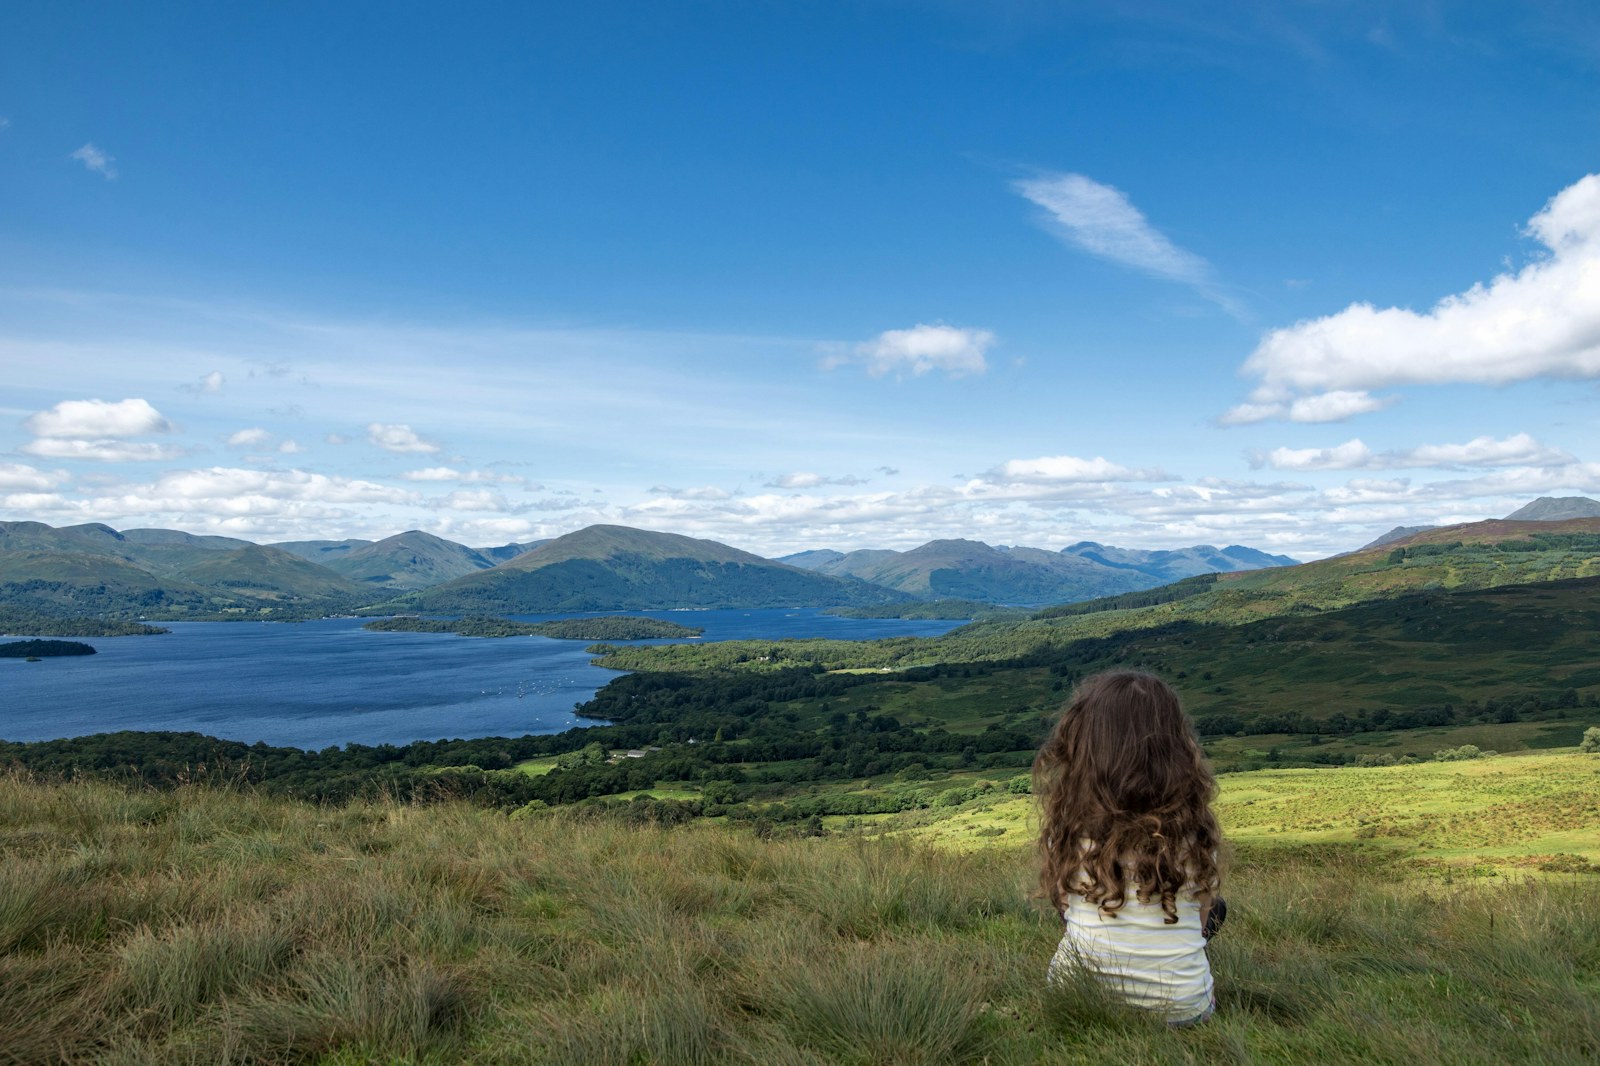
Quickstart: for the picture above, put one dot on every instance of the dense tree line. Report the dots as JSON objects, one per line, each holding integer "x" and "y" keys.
{"x": 38, "y": 624}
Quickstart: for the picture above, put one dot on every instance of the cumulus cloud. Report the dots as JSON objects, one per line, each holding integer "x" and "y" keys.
{"x": 1101, "y": 220}
{"x": 1519, "y": 450}
{"x": 290, "y": 447}
{"x": 805, "y": 480}
{"x": 957, "y": 352}
{"x": 399, "y": 437}
{"x": 249, "y": 438}
{"x": 96, "y": 161}
{"x": 84, "y": 419}
{"x": 1540, "y": 321}
{"x": 1059, "y": 469}
{"x": 19, "y": 476}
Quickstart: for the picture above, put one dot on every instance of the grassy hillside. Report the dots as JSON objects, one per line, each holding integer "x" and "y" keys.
{"x": 95, "y": 571}
{"x": 1452, "y": 559}
{"x": 204, "y": 926}
{"x": 1501, "y": 818}
{"x": 410, "y": 560}
{"x": 604, "y": 568}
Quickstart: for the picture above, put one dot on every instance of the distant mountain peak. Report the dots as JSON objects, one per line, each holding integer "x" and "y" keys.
{"x": 1556, "y": 509}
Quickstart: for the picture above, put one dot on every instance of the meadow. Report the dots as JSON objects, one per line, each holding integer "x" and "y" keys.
{"x": 206, "y": 925}
{"x": 1499, "y": 818}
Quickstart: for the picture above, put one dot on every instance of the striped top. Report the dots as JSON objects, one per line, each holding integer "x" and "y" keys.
{"x": 1153, "y": 965}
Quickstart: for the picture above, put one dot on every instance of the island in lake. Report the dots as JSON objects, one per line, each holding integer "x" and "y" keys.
{"x": 622, "y": 627}
{"x": 40, "y": 649}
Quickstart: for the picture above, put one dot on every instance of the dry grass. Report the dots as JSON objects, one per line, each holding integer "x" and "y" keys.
{"x": 208, "y": 927}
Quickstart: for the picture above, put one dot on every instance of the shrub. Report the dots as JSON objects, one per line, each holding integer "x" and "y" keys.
{"x": 1591, "y": 739}
{"x": 1465, "y": 751}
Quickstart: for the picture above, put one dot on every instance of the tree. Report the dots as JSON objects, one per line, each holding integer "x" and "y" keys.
{"x": 1591, "y": 740}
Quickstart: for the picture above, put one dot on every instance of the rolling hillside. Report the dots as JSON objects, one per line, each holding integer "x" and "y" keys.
{"x": 410, "y": 560}
{"x": 93, "y": 570}
{"x": 618, "y": 568}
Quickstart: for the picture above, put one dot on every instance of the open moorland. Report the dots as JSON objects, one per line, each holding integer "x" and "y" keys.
{"x": 204, "y": 925}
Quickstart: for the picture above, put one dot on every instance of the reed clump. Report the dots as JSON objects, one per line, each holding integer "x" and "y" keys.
{"x": 214, "y": 926}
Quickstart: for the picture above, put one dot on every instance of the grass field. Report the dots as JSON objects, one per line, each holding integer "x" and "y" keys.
{"x": 1503, "y": 817}
{"x": 202, "y": 926}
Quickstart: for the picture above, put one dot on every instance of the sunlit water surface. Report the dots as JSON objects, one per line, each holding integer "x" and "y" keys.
{"x": 312, "y": 684}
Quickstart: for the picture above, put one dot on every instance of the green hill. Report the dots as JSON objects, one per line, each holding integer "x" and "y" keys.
{"x": 93, "y": 570}
{"x": 411, "y": 560}
{"x": 604, "y": 568}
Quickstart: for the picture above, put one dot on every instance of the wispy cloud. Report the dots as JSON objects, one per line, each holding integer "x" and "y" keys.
{"x": 1101, "y": 220}
{"x": 958, "y": 352}
{"x": 103, "y": 451}
{"x": 1542, "y": 321}
{"x": 96, "y": 161}
{"x": 209, "y": 385}
{"x": 804, "y": 479}
{"x": 1519, "y": 450}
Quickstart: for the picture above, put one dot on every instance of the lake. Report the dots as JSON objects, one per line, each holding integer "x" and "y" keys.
{"x": 315, "y": 684}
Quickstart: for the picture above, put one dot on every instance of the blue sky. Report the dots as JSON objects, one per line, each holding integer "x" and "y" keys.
{"x": 798, "y": 275}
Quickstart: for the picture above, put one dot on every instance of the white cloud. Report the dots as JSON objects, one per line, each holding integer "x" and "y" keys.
{"x": 96, "y": 418}
{"x": 219, "y": 483}
{"x": 450, "y": 473}
{"x": 805, "y": 480}
{"x": 957, "y": 352}
{"x": 1540, "y": 321}
{"x": 290, "y": 447}
{"x": 1325, "y": 407}
{"x": 1056, "y": 469}
{"x": 336, "y": 438}
{"x": 479, "y": 500}
{"x": 212, "y": 382}
{"x": 398, "y": 437}
{"x": 1350, "y": 455}
{"x": 249, "y": 438}
{"x": 433, "y": 473}
{"x": 14, "y": 476}
{"x": 106, "y": 451}
{"x": 96, "y": 161}
{"x": 698, "y": 492}
{"x": 1102, "y": 221}
{"x": 1519, "y": 450}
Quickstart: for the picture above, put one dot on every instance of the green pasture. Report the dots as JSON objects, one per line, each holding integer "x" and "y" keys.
{"x": 1501, "y": 816}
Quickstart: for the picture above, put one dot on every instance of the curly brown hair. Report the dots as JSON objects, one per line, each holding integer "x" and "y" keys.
{"x": 1125, "y": 796}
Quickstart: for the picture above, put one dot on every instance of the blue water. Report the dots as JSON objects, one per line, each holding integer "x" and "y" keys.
{"x": 312, "y": 684}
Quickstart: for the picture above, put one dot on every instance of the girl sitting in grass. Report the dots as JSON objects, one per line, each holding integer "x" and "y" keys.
{"x": 1129, "y": 844}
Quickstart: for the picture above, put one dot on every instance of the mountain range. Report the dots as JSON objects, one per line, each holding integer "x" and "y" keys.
{"x": 972, "y": 570}
{"x": 93, "y": 570}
